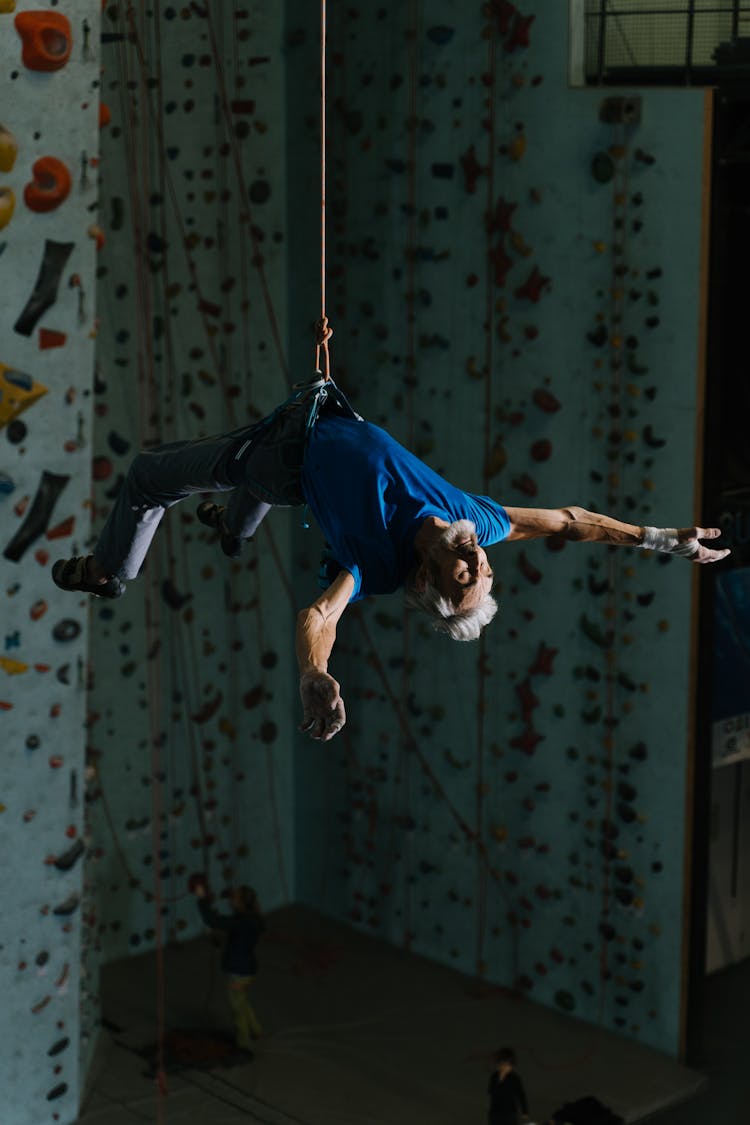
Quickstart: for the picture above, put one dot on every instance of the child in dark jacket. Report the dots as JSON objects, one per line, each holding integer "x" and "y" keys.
{"x": 242, "y": 929}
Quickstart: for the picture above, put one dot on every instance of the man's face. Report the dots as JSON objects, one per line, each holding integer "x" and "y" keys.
{"x": 461, "y": 570}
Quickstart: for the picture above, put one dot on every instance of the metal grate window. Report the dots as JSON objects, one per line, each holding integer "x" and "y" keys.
{"x": 666, "y": 41}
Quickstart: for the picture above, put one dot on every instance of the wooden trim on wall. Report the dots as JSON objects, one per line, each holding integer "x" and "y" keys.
{"x": 691, "y": 870}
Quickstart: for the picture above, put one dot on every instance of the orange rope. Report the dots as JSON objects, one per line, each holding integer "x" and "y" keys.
{"x": 322, "y": 332}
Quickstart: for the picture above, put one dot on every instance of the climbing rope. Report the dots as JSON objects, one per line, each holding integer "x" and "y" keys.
{"x": 323, "y": 332}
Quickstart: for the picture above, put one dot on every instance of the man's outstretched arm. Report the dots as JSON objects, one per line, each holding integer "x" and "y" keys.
{"x": 323, "y": 713}
{"x": 580, "y": 526}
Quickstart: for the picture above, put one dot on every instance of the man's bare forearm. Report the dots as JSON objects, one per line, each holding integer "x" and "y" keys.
{"x": 316, "y": 625}
{"x": 314, "y": 640}
{"x": 573, "y": 523}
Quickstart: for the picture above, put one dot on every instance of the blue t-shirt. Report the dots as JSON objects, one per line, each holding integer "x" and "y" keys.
{"x": 369, "y": 496}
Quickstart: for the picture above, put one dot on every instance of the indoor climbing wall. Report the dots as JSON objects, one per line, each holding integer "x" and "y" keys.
{"x": 48, "y": 190}
{"x": 514, "y": 272}
{"x": 191, "y": 707}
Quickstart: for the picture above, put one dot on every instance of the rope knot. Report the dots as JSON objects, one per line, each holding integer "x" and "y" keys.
{"x": 323, "y": 332}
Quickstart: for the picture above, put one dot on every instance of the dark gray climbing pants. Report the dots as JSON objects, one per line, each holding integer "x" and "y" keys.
{"x": 260, "y": 464}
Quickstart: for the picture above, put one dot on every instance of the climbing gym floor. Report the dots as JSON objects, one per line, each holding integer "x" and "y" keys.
{"x": 355, "y": 1033}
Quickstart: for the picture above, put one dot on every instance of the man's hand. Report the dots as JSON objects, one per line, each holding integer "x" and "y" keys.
{"x": 323, "y": 713}
{"x": 691, "y": 535}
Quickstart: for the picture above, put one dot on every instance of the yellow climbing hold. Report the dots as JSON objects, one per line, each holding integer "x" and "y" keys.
{"x": 13, "y": 667}
{"x": 7, "y": 206}
{"x": 8, "y": 149}
{"x": 7, "y": 6}
{"x": 517, "y": 147}
{"x": 18, "y": 391}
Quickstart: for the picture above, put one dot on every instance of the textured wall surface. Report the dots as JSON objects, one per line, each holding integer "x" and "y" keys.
{"x": 189, "y": 733}
{"x": 48, "y": 149}
{"x": 514, "y": 288}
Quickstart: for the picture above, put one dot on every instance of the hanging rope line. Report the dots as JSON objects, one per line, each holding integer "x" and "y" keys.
{"x": 323, "y": 332}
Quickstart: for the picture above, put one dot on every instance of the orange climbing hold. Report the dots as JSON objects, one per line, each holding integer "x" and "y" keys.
{"x": 50, "y": 186}
{"x": 47, "y": 39}
{"x": 8, "y": 149}
{"x": 51, "y": 338}
{"x": 104, "y": 115}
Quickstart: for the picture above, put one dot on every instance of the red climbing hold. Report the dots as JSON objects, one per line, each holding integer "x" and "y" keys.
{"x": 62, "y": 530}
{"x": 50, "y": 186}
{"x": 526, "y": 698}
{"x": 500, "y": 220}
{"x": 501, "y": 262}
{"x": 520, "y": 35}
{"x": 546, "y": 401}
{"x": 528, "y": 570}
{"x": 472, "y": 169}
{"x": 531, "y": 290}
{"x": 503, "y": 11}
{"x": 51, "y": 338}
{"x": 542, "y": 666}
{"x": 527, "y": 741}
{"x": 541, "y": 450}
{"x": 47, "y": 39}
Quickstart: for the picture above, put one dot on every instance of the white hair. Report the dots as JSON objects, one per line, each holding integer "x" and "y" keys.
{"x": 466, "y": 625}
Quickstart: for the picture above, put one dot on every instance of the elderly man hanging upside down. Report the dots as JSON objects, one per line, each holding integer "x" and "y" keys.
{"x": 390, "y": 522}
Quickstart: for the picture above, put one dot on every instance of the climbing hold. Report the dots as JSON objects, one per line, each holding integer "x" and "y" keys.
{"x": 545, "y": 400}
{"x": 503, "y": 12}
{"x": 440, "y": 35}
{"x": 525, "y": 484}
{"x": 37, "y": 518}
{"x": 47, "y": 39}
{"x": 472, "y": 169}
{"x": 542, "y": 666}
{"x": 50, "y": 186}
{"x": 44, "y": 293}
{"x": 541, "y": 450}
{"x": 595, "y": 633}
{"x": 497, "y": 459}
{"x": 8, "y": 149}
{"x": 502, "y": 263}
{"x": 532, "y": 288}
{"x": 208, "y": 710}
{"x": 62, "y": 530}
{"x": 59, "y": 1046}
{"x": 520, "y": 35}
{"x": 68, "y": 858}
{"x": 18, "y": 392}
{"x": 172, "y": 596}
{"x": 51, "y": 338}
{"x": 500, "y": 220}
{"x": 517, "y": 147}
{"x": 104, "y": 115}
{"x": 7, "y": 206}
{"x": 602, "y": 167}
{"x": 68, "y": 906}
{"x": 528, "y": 570}
{"x": 66, "y": 630}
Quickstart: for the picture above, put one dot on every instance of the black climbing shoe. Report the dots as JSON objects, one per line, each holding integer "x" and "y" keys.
{"x": 212, "y": 515}
{"x": 72, "y": 574}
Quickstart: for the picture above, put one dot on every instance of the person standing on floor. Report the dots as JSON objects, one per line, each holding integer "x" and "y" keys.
{"x": 508, "y": 1104}
{"x": 242, "y": 929}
